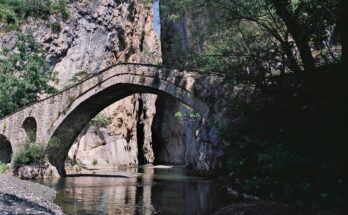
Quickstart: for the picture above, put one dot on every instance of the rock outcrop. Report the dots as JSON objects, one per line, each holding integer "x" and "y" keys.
{"x": 175, "y": 133}
{"x": 118, "y": 143}
{"x": 100, "y": 33}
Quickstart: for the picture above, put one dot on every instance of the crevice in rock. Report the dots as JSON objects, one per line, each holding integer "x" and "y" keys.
{"x": 156, "y": 135}
{"x": 140, "y": 133}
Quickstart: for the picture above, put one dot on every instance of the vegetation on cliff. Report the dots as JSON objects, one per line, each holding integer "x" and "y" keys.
{"x": 14, "y": 12}
{"x": 24, "y": 74}
{"x": 287, "y": 142}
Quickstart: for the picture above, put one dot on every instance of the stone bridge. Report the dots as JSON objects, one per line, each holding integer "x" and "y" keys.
{"x": 64, "y": 115}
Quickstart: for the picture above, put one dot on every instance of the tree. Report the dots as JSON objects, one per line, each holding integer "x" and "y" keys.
{"x": 24, "y": 74}
{"x": 288, "y": 141}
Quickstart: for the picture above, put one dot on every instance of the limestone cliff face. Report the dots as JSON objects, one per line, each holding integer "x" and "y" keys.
{"x": 174, "y": 138}
{"x": 201, "y": 148}
{"x": 104, "y": 33}
{"x": 98, "y": 34}
{"x": 142, "y": 129}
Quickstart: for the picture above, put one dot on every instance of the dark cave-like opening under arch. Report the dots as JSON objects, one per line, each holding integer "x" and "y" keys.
{"x": 5, "y": 150}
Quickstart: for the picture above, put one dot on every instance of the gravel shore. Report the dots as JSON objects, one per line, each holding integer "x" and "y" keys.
{"x": 25, "y": 197}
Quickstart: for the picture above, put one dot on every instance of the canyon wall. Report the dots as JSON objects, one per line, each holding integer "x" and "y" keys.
{"x": 140, "y": 129}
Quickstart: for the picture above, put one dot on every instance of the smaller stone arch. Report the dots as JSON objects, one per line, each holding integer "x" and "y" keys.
{"x": 5, "y": 150}
{"x": 30, "y": 128}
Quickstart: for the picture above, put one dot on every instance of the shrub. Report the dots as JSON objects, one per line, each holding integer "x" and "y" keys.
{"x": 62, "y": 9}
{"x": 187, "y": 115}
{"x": 178, "y": 116}
{"x": 12, "y": 12}
{"x": 95, "y": 162}
{"x": 53, "y": 146}
{"x": 56, "y": 28}
{"x": 29, "y": 153}
{"x": 100, "y": 120}
{"x": 3, "y": 167}
{"x": 24, "y": 74}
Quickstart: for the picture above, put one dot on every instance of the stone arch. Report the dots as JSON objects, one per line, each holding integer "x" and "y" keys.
{"x": 83, "y": 108}
{"x": 5, "y": 150}
{"x": 30, "y": 127}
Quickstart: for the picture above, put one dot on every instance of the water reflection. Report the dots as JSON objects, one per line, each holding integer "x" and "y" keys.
{"x": 158, "y": 191}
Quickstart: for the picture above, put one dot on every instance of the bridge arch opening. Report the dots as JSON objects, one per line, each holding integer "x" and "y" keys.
{"x": 81, "y": 114}
{"x": 30, "y": 128}
{"x": 5, "y": 150}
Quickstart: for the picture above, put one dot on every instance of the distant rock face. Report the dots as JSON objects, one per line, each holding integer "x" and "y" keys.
{"x": 119, "y": 142}
{"x": 175, "y": 138}
{"x": 98, "y": 34}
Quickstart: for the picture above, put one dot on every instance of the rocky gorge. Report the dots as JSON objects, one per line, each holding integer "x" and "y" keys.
{"x": 139, "y": 129}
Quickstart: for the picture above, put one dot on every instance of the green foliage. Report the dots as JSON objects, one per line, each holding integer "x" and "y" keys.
{"x": 77, "y": 78}
{"x": 24, "y": 74}
{"x": 95, "y": 162}
{"x": 3, "y": 167}
{"x": 187, "y": 113}
{"x": 178, "y": 116}
{"x": 251, "y": 40}
{"x": 280, "y": 149}
{"x": 286, "y": 137}
{"x": 56, "y": 27}
{"x": 100, "y": 120}
{"x": 13, "y": 12}
{"x": 61, "y": 7}
{"x": 34, "y": 153}
{"x": 53, "y": 146}
{"x": 29, "y": 153}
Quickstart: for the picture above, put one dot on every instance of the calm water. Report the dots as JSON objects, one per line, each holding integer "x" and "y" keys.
{"x": 157, "y": 191}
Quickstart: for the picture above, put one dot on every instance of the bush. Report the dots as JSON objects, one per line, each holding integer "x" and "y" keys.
{"x": 53, "y": 146}
{"x": 12, "y": 12}
{"x": 29, "y": 153}
{"x": 3, "y": 167}
{"x": 95, "y": 162}
{"x": 187, "y": 115}
{"x": 24, "y": 74}
{"x": 56, "y": 28}
{"x": 100, "y": 120}
{"x": 62, "y": 9}
{"x": 280, "y": 150}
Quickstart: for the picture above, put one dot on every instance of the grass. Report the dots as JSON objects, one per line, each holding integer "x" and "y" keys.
{"x": 3, "y": 167}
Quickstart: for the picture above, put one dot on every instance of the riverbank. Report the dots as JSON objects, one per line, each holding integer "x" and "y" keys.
{"x": 25, "y": 197}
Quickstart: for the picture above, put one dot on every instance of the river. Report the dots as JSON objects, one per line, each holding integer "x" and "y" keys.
{"x": 156, "y": 191}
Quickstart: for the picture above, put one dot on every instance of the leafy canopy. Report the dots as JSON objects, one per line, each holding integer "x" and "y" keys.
{"x": 24, "y": 74}
{"x": 285, "y": 142}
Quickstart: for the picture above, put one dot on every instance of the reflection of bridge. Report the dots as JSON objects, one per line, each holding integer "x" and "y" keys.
{"x": 65, "y": 114}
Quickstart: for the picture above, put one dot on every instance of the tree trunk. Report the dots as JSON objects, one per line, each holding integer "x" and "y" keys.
{"x": 300, "y": 37}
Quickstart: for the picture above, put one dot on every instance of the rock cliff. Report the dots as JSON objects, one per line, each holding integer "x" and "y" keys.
{"x": 98, "y": 34}
{"x": 141, "y": 128}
